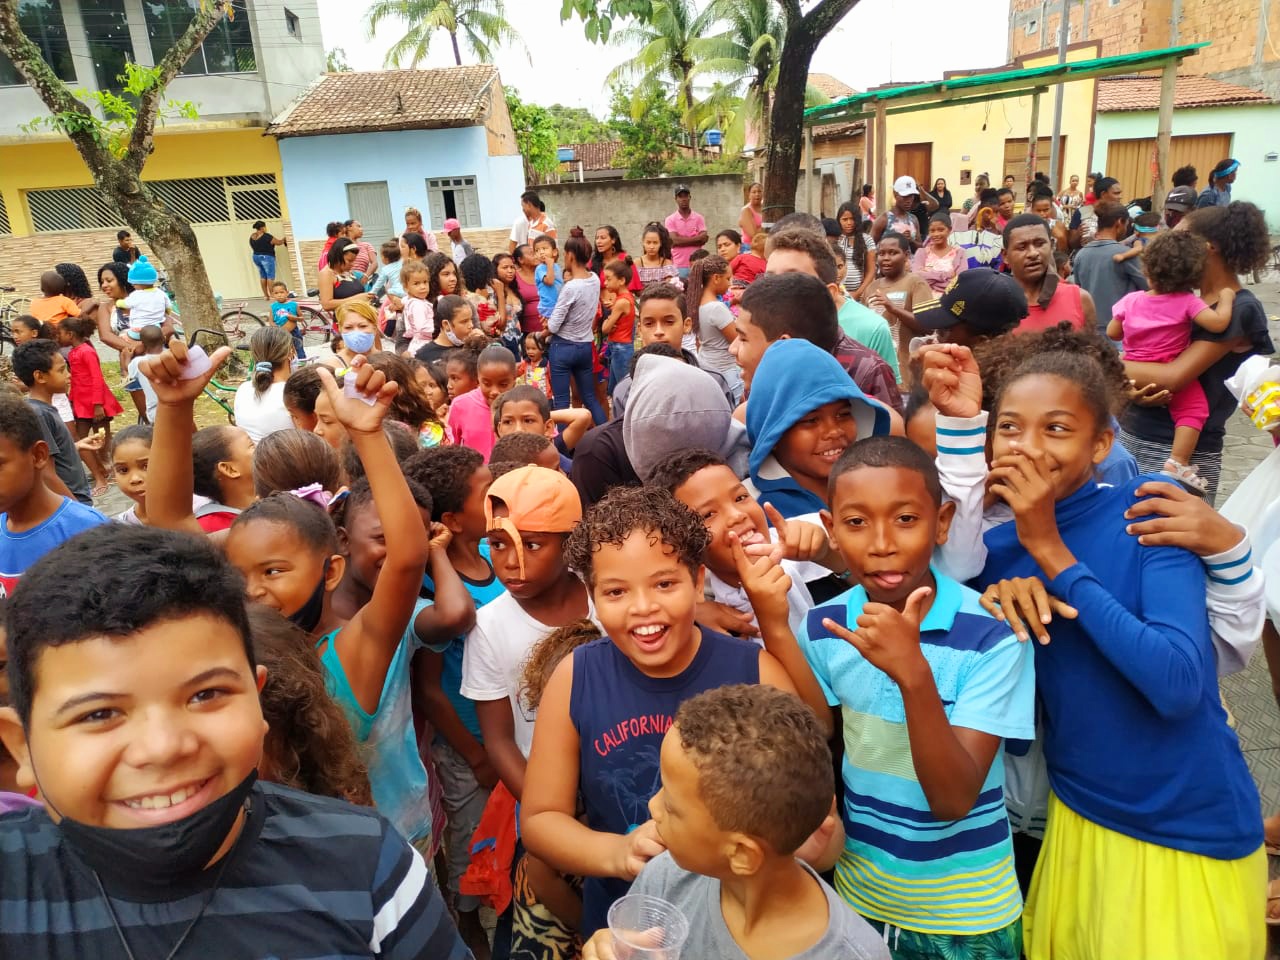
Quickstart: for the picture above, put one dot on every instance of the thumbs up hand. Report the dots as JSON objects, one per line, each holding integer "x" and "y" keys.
{"x": 888, "y": 639}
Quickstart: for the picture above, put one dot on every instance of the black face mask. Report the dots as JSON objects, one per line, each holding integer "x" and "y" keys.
{"x": 308, "y": 615}
{"x": 165, "y": 854}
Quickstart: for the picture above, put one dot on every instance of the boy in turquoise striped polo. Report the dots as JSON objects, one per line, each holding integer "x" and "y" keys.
{"x": 928, "y": 685}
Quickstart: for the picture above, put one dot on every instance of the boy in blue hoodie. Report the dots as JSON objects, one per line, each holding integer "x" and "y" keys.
{"x": 803, "y": 411}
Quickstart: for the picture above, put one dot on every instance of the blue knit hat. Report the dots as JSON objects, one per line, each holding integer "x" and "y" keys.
{"x": 142, "y": 272}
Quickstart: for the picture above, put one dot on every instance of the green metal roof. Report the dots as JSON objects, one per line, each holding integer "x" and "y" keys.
{"x": 944, "y": 91}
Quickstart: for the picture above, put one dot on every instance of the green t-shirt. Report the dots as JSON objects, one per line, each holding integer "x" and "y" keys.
{"x": 869, "y": 329}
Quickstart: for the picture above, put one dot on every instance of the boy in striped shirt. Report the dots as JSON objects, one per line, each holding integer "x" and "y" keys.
{"x": 135, "y": 714}
{"x": 928, "y": 685}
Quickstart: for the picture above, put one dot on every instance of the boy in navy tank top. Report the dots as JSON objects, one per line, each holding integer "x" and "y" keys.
{"x": 606, "y": 709}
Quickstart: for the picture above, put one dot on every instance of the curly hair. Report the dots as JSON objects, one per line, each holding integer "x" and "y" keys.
{"x": 547, "y": 654}
{"x": 763, "y": 765}
{"x": 77, "y": 282}
{"x": 404, "y": 444}
{"x": 309, "y": 744}
{"x": 410, "y": 406}
{"x": 1174, "y": 260}
{"x": 436, "y": 263}
{"x": 446, "y": 472}
{"x": 1080, "y": 369}
{"x": 521, "y": 448}
{"x": 476, "y": 272}
{"x": 673, "y": 471}
{"x": 622, "y": 512}
{"x": 999, "y": 358}
{"x": 1237, "y": 231}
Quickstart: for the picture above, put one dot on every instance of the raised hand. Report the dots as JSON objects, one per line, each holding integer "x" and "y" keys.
{"x": 951, "y": 376}
{"x": 888, "y": 639}
{"x": 799, "y": 540}
{"x": 765, "y": 582}
{"x": 1025, "y": 599}
{"x": 166, "y": 370}
{"x": 353, "y": 413}
{"x": 440, "y": 535}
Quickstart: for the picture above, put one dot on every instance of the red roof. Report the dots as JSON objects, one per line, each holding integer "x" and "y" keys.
{"x": 1117, "y": 94}
{"x": 594, "y": 156}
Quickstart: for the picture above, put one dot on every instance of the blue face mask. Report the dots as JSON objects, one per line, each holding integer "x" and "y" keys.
{"x": 358, "y": 341}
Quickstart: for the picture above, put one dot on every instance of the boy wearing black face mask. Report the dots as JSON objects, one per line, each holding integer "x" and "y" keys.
{"x": 155, "y": 840}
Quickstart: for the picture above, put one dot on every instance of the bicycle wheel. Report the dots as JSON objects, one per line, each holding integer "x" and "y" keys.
{"x": 240, "y": 323}
{"x": 315, "y": 328}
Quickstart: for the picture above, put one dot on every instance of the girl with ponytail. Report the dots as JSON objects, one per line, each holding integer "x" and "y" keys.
{"x": 259, "y": 404}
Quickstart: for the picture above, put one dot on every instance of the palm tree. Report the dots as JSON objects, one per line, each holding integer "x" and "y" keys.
{"x": 483, "y": 24}
{"x": 748, "y": 49}
{"x": 672, "y": 42}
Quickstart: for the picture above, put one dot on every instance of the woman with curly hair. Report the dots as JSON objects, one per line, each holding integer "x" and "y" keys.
{"x": 411, "y": 405}
{"x": 1237, "y": 243}
{"x": 309, "y": 743}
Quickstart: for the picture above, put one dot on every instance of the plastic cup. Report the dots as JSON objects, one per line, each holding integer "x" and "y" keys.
{"x": 647, "y": 928}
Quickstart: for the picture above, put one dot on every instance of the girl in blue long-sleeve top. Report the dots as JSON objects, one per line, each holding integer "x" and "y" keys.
{"x": 1154, "y": 842}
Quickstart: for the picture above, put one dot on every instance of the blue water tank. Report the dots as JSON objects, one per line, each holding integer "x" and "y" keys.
{"x": 565, "y": 155}
{"x": 714, "y": 137}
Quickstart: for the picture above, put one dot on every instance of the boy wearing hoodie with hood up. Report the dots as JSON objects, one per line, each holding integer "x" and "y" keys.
{"x": 673, "y": 406}
{"x": 803, "y": 411}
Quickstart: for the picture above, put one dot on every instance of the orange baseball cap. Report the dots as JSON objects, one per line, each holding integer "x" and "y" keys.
{"x": 538, "y": 500}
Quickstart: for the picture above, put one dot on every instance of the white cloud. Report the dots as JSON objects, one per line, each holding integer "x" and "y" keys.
{"x": 880, "y": 41}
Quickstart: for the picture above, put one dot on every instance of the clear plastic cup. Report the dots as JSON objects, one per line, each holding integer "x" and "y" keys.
{"x": 647, "y": 928}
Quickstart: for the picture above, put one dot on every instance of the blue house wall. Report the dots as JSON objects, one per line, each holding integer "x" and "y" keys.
{"x": 318, "y": 169}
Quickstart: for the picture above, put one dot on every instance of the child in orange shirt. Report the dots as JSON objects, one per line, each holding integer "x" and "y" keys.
{"x": 55, "y": 305}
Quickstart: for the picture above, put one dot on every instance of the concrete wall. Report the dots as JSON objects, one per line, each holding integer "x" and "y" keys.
{"x": 630, "y": 204}
{"x": 1255, "y": 133}
{"x": 317, "y": 170}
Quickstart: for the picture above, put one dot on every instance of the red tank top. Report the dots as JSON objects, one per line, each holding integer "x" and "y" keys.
{"x": 1065, "y": 305}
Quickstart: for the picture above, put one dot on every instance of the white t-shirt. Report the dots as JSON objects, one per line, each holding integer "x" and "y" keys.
{"x": 146, "y": 307}
{"x": 260, "y": 416}
{"x": 494, "y": 655}
{"x": 148, "y": 391}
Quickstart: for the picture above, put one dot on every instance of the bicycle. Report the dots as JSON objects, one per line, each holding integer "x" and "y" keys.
{"x": 8, "y": 311}
{"x": 241, "y": 322}
{"x": 222, "y": 394}
{"x": 314, "y": 321}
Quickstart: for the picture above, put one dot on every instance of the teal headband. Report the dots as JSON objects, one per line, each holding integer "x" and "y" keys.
{"x": 1228, "y": 170}
{"x": 1142, "y": 229}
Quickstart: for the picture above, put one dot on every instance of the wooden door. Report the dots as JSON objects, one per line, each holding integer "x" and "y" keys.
{"x": 1133, "y": 162}
{"x": 913, "y": 160}
{"x": 1015, "y": 163}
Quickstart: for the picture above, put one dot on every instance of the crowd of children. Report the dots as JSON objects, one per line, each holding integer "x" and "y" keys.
{"x": 459, "y": 636}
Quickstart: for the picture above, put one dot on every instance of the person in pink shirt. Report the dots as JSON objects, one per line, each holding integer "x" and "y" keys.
{"x": 471, "y": 415}
{"x": 688, "y": 230}
{"x": 1156, "y": 326}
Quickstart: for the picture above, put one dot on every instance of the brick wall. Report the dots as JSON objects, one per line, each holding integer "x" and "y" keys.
{"x": 1232, "y": 27}
{"x": 23, "y": 259}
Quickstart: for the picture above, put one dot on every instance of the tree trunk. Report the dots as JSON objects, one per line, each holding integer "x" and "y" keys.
{"x": 786, "y": 121}
{"x": 786, "y": 126}
{"x": 457, "y": 51}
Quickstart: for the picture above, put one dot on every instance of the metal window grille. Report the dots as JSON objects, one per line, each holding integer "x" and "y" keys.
{"x": 71, "y": 208}
{"x": 4, "y": 219}
{"x": 197, "y": 200}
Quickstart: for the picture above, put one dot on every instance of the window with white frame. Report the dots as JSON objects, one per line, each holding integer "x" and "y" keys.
{"x": 454, "y": 197}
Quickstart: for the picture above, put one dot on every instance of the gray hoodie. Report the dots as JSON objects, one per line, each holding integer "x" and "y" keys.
{"x": 674, "y": 406}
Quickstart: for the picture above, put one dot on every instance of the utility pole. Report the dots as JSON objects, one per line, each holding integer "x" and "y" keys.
{"x": 1064, "y": 31}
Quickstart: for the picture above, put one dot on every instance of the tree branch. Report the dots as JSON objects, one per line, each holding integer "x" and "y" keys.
{"x": 791, "y": 11}
{"x": 141, "y": 142}
{"x": 819, "y": 21}
{"x": 28, "y": 60}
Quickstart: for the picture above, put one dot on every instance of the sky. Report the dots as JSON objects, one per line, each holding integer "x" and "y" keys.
{"x": 878, "y": 42}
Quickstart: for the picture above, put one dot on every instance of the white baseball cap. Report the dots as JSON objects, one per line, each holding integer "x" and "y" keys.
{"x": 905, "y": 187}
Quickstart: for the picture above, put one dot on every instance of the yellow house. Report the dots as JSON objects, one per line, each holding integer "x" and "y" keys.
{"x": 219, "y": 172}
{"x": 221, "y": 180}
{"x": 972, "y": 123}
{"x": 958, "y": 142}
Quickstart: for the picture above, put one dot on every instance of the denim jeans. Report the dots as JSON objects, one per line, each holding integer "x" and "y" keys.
{"x": 571, "y": 359}
{"x": 620, "y": 355}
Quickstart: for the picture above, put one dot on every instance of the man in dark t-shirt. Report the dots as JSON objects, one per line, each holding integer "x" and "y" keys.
{"x": 125, "y": 251}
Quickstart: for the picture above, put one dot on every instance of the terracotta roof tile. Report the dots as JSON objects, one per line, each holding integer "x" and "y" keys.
{"x": 847, "y": 128}
{"x": 831, "y": 87}
{"x": 1117, "y": 94}
{"x": 594, "y": 156}
{"x": 389, "y": 100}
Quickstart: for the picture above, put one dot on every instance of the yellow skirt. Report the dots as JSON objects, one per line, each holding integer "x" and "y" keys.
{"x": 1100, "y": 895}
